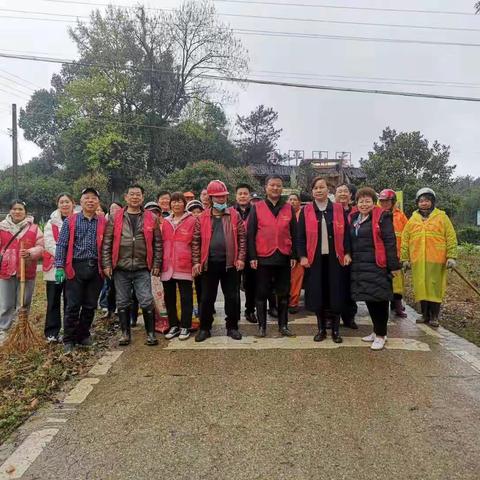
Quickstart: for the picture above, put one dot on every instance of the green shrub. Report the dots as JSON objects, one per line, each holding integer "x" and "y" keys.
{"x": 469, "y": 235}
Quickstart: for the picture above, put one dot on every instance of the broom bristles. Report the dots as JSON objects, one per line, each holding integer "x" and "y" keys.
{"x": 22, "y": 337}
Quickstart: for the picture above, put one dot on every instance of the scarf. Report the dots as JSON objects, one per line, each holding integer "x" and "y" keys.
{"x": 9, "y": 226}
{"x": 322, "y": 207}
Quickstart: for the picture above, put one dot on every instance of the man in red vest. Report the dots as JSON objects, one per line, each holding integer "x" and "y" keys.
{"x": 77, "y": 258}
{"x": 132, "y": 251}
{"x": 272, "y": 252}
{"x": 218, "y": 251}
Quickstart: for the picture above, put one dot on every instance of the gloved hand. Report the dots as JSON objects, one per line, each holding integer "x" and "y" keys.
{"x": 406, "y": 266}
{"x": 59, "y": 275}
{"x": 451, "y": 263}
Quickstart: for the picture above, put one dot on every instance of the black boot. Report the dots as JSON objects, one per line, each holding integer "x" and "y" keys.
{"x": 399, "y": 309}
{"x": 149, "y": 321}
{"x": 336, "y": 329}
{"x": 124, "y": 319}
{"x": 261, "y": 307}
{"x": 425, "y": 311}
{"x": 251, "y": 317}
{"x": 434, "y": 314}
{"x": 283, "y": 318}
{"x": 322, "y": 328}
{"x": 134, "y": 317}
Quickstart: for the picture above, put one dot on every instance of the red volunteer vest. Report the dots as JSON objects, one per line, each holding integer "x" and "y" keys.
{"x": 206, "y": 232}
{"x": 311, "y": 230}
{"x": 72, "y": 220}
{"x": 273, "y": 232}
{"x": 11, "y": 263}
{"x": 380, "y": 252}
{"x": 177, "y": 245}
{"x": 148, "y": 229}
{"x": 48, "y": 258}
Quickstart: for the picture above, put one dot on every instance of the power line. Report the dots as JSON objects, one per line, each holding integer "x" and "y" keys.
{"x": 20, "y": 78}
{"x": 256, "y": 81}
{"x": 343, "y": 7}
{"x": 262, "y": 17}
{"x": 16, "y": 86}
{"x": 270, "y": 33}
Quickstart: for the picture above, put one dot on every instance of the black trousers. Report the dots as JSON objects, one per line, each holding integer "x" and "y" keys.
{"x": 82, "y": 293}
{"x": 379, "y": 313}
{"x": 53, "y": 318}
{"x": 228, "y": 279}
{"x": 249, "y": 284}
{"x": 430, "y": 310}
{"x": 186, "y": 298}
{"x": 276, "y": 277}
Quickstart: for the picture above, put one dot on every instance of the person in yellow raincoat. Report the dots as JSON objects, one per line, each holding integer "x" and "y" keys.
{"x": 429, "y": 247}
{"x": 388, "y": 201}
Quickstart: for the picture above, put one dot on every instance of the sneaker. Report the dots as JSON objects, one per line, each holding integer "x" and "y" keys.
{"x": 378, "y": 343}
{"x": 172, "y": 333}
{"x": 184, "y": 334}
{"x": 52, "y": 339}
{"x": 369, "y": 338}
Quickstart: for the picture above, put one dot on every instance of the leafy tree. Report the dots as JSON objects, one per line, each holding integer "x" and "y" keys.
{"x": 197, "y": 176}
{"x": 406, "y": 161}
{"x": 257, "y": 135}
{"x": 96, "y": 180}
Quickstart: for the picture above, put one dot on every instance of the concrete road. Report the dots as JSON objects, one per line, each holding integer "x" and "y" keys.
{"x": 289, "y": 410}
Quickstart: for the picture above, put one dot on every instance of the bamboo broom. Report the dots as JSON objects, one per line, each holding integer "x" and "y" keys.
{"x": 22, "y": 336}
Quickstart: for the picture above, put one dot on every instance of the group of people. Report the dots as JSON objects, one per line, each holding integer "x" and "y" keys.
{"x": 342, "y": 248}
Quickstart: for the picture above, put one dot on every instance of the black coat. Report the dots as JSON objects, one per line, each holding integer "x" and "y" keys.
{"x": 326, "y": 279}
{"x": 369, "y": 282}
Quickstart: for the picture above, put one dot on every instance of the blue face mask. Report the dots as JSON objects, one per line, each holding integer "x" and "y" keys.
{"x": 220, "y": 206}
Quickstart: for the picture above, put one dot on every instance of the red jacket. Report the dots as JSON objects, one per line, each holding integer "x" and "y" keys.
{"x": 177, "y": 245}
{"x": 273, "y": 233}
{"x": 70, "y": 272}
{"x": 311, "y": 231}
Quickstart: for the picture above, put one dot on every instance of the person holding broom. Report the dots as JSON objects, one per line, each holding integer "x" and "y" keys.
{"x": 429, "y": 248}
{"x": 20, "y": 238}
{"x": 77, "y": 260}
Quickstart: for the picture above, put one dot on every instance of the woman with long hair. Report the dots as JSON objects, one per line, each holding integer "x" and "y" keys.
{"x": 53, "y": 318}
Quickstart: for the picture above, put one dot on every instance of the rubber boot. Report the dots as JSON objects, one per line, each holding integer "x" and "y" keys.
{"x": 399, "y": 308}
{"x": 434, "y": 314}
{"x": 322, "y": 328}
{"x": 336, "y": 329}
{"x": 261, "y": 307}
{"x": 283, "y": 317}
{"x": 149, "y": 321}
{"x": 134, "y": 316}
{"x": 124, "y": 319}
{"x": 425, "y": 312}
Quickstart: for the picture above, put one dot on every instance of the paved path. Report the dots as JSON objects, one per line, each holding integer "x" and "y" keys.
{"x": 266, "y": 409}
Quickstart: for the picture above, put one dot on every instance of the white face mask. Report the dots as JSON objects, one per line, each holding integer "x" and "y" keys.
{"x": 219, "y": 206}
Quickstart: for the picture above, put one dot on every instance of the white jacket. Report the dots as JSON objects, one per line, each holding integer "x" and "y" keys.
{"x": 50, "y": 243}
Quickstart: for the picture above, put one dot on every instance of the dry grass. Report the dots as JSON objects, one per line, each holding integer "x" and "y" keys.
{"x": 27, "y": 380}
{"x": 461, "y": 308}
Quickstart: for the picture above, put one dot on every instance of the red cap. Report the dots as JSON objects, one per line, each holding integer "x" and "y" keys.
{"x": 387, "y": 194}
{"x": 217, "y": 188}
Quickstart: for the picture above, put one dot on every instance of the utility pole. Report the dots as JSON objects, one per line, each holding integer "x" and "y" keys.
{"x": 14, "y": 151}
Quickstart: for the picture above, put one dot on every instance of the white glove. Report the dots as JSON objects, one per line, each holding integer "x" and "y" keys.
{"x": 406, "y": 266}
{"x": 451, "y": 263}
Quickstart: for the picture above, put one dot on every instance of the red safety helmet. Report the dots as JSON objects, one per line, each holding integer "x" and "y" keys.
{"x": 387, "y": 194}
{"x": 217, "y": 188}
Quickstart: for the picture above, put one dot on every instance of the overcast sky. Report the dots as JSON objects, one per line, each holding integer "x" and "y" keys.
{"x": 311, "y": 119}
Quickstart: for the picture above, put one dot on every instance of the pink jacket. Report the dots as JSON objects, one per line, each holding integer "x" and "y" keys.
{"x": 177, "y": 248}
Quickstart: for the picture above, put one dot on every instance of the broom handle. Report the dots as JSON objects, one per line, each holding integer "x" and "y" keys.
{"x": 467, "y": 281}
{"x": 22, "y": 279}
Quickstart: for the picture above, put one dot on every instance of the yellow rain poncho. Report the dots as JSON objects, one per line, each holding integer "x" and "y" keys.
{"x": 426, "y": 244}
{"x": 399, "y": 222}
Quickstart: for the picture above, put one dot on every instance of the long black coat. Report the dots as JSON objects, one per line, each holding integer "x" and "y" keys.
{"x": 321, "y": 279}
{"x": 369, "y": 282}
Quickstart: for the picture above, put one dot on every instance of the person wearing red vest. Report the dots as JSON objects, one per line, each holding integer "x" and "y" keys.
{"x": 324, "y": 251}
{"x": 51, "y": 232}
{"x": 19, "y": 237}
{"x": 374, "y": 262}
{"x": 78, "y": 260}
{"x": 219, "y": 250}
{"x": 131, "y": 253}
{"x": 296, "y": 279}
{"x": 272, "y": 252}
{"x": 177, "y": 266}
{"x": 243, "y": 207}
{"x": 345, "y": 196}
